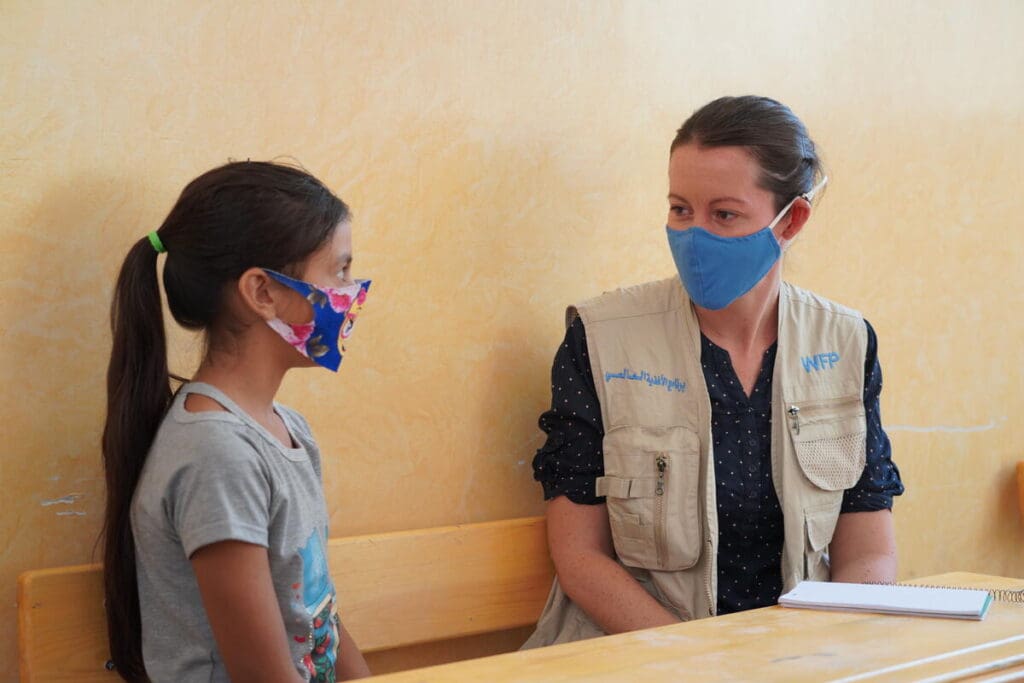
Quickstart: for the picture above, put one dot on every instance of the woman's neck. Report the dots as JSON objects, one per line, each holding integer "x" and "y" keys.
{"x": 749, "y": 324}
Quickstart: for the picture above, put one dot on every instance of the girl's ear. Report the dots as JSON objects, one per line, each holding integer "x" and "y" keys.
{"x": 255, "y": 289}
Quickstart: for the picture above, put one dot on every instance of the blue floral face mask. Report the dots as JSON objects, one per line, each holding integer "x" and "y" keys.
{"x": 335, "y": 310}
{"x": 718, "y": 270}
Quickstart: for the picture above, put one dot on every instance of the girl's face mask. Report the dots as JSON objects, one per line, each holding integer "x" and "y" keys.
{"x": 335, "y": 309}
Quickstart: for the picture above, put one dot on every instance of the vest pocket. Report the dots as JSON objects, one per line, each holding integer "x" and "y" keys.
{"x": 829, "y": 438}
{"x": 651, "y": 494}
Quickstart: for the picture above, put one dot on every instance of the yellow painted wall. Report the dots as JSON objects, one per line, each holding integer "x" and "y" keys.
{"x": 504, "y": 159}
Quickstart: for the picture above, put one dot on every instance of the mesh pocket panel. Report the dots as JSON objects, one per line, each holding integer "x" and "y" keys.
{"x": 834, "y": 463}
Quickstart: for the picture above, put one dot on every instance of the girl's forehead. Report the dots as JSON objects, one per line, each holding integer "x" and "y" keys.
{"x": 341, "y": 241}
{"x": 332, "y": 255}
{"x": 339, "y": 244}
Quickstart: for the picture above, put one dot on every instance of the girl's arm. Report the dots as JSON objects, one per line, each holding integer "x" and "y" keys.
{"x": 580, "y": 540}
{"x": 241, "y": 606}
{"x": 350, "y": 660}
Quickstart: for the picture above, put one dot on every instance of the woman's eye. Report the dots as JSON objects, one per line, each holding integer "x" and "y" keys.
{"x": 724, "y": 215}
{"x": 677, "y": 210}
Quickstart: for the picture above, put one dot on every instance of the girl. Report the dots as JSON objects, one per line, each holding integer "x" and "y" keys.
{"x": 713, "y": 434}
{"x": 216, "y": 525}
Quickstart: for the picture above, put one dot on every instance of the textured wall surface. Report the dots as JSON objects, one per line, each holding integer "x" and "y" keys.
{"x": 504, "y": 159}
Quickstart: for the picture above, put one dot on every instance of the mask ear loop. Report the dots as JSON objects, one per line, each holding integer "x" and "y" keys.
{"x": 816, "y": 189}
{"x": 809, "y": 195}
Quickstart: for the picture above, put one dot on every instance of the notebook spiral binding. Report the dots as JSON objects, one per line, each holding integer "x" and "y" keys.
{"x": 998, "y": 594}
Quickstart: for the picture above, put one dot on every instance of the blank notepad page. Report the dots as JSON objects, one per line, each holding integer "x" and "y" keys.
{"x": 915, "y": 600}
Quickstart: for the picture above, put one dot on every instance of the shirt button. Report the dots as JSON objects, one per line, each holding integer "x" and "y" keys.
{"x": 753, "y": 468}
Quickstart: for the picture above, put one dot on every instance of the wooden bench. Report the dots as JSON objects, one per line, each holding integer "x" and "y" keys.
{"x": 394, "y": 590}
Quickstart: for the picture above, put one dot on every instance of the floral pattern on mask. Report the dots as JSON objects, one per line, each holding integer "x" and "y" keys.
{"x": 334, "y": 313}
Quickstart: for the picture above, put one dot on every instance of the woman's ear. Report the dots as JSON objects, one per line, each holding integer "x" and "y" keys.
{"x": 254, "y": 290}
{"x": 787, "y": 229}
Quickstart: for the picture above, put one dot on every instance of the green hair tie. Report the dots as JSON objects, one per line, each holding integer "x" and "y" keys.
{"x": 154, "y": 239}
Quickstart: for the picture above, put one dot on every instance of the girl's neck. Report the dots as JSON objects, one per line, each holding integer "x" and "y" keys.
{"x": 749, "y": 324}
{"x": 250, "y": 381}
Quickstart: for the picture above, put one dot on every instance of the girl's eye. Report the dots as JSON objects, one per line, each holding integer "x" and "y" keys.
{"x": 677, "y": 210}
{"x": 723, "y": 215}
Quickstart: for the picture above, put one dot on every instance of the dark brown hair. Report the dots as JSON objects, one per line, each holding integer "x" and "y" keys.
{"x": 235, "y": 217}
{"x": 769, "y": 130}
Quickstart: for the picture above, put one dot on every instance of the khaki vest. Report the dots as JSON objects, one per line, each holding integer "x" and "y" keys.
{"x": 644, "y": 345}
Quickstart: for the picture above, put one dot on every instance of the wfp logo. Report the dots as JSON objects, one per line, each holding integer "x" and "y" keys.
{"x": 820, "y": 361}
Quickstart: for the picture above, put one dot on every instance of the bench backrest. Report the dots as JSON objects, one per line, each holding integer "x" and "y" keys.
{"x": 394, "y": 589}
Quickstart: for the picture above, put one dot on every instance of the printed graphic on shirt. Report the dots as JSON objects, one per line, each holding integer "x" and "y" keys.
{"x": 318, "y": 599}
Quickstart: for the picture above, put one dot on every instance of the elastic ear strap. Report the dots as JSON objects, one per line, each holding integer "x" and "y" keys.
{"x": 816, "y": 189}
{"x": 785, "y": 210}
{"x": 809, "y": 195}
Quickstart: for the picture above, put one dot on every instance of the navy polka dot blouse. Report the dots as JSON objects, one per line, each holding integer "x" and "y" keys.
{"x": 749, "y": 517}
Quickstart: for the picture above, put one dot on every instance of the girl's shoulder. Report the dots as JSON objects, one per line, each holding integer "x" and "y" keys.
{"x": 231, "y": 422}
{"x": 296, "y": 422}
{"x": 203, "y": 440}
{"x": 195, "y": 427}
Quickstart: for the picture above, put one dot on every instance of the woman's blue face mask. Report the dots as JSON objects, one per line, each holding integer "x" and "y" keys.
{"x": 718, "y": 270}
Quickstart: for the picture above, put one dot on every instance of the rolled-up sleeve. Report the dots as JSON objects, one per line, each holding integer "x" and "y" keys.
{"x": 880, "y": 481}
{"x": 571, "y": 459}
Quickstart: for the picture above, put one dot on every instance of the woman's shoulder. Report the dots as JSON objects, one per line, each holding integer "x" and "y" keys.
{"x": 798, "y": 297}
{"x": 656, "y": 296}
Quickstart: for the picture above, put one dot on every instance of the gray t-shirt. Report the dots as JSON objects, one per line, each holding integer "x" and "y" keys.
{"x": 219, "y": 476}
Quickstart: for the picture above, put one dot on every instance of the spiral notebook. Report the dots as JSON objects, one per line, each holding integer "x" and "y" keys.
{"x": 950, "y": 603}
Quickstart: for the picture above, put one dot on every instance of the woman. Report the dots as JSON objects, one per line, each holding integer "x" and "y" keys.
{"x": 715, "y": 438}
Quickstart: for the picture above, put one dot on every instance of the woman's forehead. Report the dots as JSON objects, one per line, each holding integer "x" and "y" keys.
{"x": 700, "y": 170}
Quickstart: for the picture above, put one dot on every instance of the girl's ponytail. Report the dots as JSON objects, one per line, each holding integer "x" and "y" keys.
{"x": 138, "y": 395}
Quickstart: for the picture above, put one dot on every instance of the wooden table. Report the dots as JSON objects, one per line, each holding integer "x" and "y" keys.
{"x": 776, "y": 644}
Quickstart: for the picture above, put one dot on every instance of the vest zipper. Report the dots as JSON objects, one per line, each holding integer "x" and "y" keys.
{"x": 712, "y": 602}
{"x": 659, "y": 504}
{"x": 794, "y": 412}
{"x": 710, "y": 559}
{"x": 812, "y": 412}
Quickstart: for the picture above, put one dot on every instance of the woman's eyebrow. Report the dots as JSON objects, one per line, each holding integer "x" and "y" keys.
{"x": 737, "y": 200}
